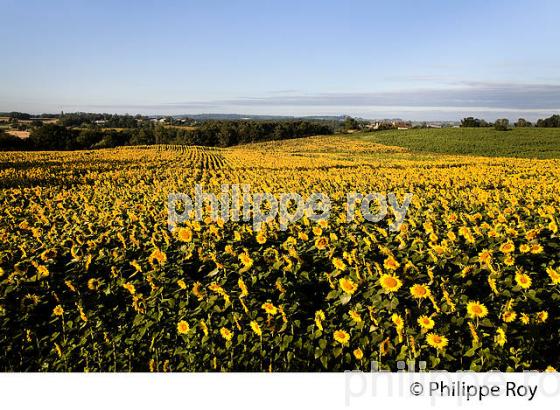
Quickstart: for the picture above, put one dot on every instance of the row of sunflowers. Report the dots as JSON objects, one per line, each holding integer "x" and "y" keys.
{"x": 91, "y": 278}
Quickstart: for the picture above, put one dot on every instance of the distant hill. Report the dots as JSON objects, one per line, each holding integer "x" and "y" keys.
{"x": 202, "y": 117}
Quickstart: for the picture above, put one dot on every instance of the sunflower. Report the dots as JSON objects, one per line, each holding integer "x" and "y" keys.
{"x": 355, "y": 316}
{"x": 183, "y": 327}
{"x": 524, "y": 248}
{"x": 426, "y": 322}
{"x": 256, "y": 328}
{"x": 397, "y": 320}
{"x": 550, "y": 369}
{"x": 507, "y": 247}
{"x": 437, "y": 341}
{"x": 477, "y": 309}
{"x": 317, "y": 231}
{"x": 261, "y": 238}
{"x": 130, "y": 287}
{"x": 338, "y": 264}
{"x": 492, "y": 284}
{"x": 358, "y": 354}
{"x": 509, "y": 316}
{"x": 158, "y": 256}
{"x": 523, "y": 280}
{"x": 203, "y": 327}
{"x": 181, "y": 283}
{"x": 43, "y": 271}
{"x": 391, "y": 263}
{"x": 341, "y": 336}
{"x": 196, "y": 290}
{"x": 245, "y": 259}
{"x": 419, "y": 291}
{"x": 319, "y": 317}
{"x": 553, "y": 275}
{"x": 485, "y": 256}
{"x": 500, "y": 337}
{"x": 243, "y": 287}
{"x": 226, "y": 333}
{"x": 58, "y": 311}
{"x": 542, "y": 316}
{"x": 185, "y": 235}
{"x": 347, "y": 285}
{"x": 525, "y": 318}
{"x": 391, "y": 283}
{"x": 536, "y": 249}
{"x": 509, "y": 260}
{"x": 474, "y": 334}
{"x": 321, "y": 243}
{"x": 269, "y": 308}
{"x": 93, "y": 284}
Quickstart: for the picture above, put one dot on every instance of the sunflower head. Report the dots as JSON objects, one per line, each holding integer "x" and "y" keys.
{"x": 390, "y": 283}
{"x": 397, "y": 320}
{"x": 58, "y": 310}
{"x": 358, "y": 354}
{"x": 341, "y": 336}
{"x": 500, "y": 337}
{"x": 485, "y": 256}
{"x": 542, "y": 316}
{"x": 524, "y": 248}
{"x": 183, "y": 327}
{"x": 338, "y": 264}
{"x": 185, "y": 235}
{"x": 269, "y": 308}
{"x": 419, "y": 291}
{"x": 426, "y": 322}
{"x": 509, "y": 316}
{"x": 507, "y": 247}
{"x": 226, "y": 333}
{"x": 391, "y": 263}
{"x": 437, "y": 341}
{"x": 523, "y": 280}
{"x": 347, "y": 285}
{"x": 476, "y": 309}
{"x": 256, "y": 328}
{"x": 321, "y": 243}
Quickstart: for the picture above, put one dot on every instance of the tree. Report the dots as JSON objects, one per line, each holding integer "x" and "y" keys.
{"x": 470, "y": 122}
{"x": 87, "y": 138}
{"x": 11, "y": 143}
{"x": 350, "y": 124}
{"x": 522, "y": 123}
{"x": 550, "y": 122}
{"x": 52, "y": 137}
{"x": 501, "y": 124}
{"x": 144, "y": 136}
{"x": 19, "y": 115}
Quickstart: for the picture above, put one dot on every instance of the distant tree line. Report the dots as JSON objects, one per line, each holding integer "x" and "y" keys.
{"x": 80, "y": 119}
{"x": 16, "y": 115}
{"x": 471, "y": 122}
{"x": 208, "y": 133}
{"x": 550, "y": 122}
{"x": 11, "y": 143}
{"x": 503, "y": 123}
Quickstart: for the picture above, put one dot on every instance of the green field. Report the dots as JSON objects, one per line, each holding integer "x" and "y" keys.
{"x": 520, "y": 142}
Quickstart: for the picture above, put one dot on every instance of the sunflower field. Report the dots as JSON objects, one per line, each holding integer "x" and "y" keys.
{"x": 91, "y": 279}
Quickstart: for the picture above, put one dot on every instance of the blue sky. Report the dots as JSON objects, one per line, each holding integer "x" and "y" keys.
{"x": 430, "y": 59}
